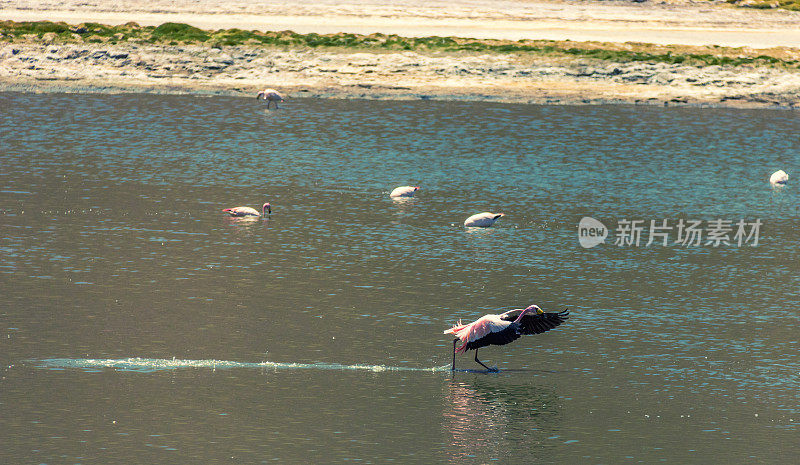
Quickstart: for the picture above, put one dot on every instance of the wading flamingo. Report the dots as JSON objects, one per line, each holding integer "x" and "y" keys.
{"x": 247, "y": 211}
{"x": 502, "y": 329}
{"x": 270, "y": 95}
{"x": 404, "y": 191}
{"x": 779, "y": 178}
{"x": 482, "y": 220}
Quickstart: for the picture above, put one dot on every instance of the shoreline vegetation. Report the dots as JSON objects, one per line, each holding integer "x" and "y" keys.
{"x": 791, "y": 5}
{"x": 176, "y": 57}
{"x": 184, "y": 34}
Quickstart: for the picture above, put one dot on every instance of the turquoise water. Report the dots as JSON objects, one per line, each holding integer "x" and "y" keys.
{"x": 141, "y": 324}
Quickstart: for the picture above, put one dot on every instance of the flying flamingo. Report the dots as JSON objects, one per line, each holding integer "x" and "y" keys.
{"x": 247, "y": 211}
{"x": 270, "y": 95}
{"x": 482, "y": 220}
{"x": 779, "y": 178}
{"x": 502, "y": 329}
{"x": 404, "y": 191}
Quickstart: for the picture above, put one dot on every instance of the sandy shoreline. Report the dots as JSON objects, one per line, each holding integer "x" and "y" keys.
{"x": 678, "y": 22}
{"x": 36, "y": 65}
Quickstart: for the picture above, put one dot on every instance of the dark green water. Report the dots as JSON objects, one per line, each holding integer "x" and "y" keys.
{"x": 139, "y": 324}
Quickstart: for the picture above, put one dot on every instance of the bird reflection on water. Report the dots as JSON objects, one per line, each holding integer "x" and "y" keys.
{"x": 487, "y": 421}
{"x": 234, "y": 220}
{"x": 246, "y": 226}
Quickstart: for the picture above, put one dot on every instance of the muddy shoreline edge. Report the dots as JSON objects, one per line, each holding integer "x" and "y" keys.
{"x": 47, "y": 63}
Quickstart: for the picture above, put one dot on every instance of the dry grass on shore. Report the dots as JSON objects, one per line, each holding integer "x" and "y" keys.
{"x": 177, "y": 33}
{"x": 793, "y": 5}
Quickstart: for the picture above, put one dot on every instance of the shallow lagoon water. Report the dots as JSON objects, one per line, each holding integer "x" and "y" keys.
{"x": 140, "y": 324}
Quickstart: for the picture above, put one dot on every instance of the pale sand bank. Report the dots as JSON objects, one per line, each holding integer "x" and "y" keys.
{"x": 688, "y": 23}
{"x": 397, "y": 75}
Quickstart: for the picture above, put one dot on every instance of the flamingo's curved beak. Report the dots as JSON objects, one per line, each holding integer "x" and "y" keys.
{"x": 535, "y": 309}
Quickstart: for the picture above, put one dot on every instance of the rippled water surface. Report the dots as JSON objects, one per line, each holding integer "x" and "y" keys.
{"x": 140, "y": 324}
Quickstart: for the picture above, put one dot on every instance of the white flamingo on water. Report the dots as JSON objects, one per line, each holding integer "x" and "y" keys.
{"x": 502, "y": 329}
{"x": 248, "y": 211}
{"x": 270, "y": 95}
{"x": 779, "y": 178}
{"x": 482, "y": 220}
{"x": 404, "y": 191}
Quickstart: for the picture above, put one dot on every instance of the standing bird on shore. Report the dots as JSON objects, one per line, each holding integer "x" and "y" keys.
{"x": 248, "y": 211}
{"x": 404, "y": 191}
{"x": 502, "y": 329}
{"x": 270, "y": 95}
{"x": 779, "y": 178}
{"x": 482, "y": 220}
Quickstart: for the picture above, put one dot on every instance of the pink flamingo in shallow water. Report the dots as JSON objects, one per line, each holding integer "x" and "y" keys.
{"x": 270, "y": 95}
{"x": 779, "y": 178}
{"x": 247, "y": 211}
{"x": 482, "y": 220}
{"x": 404, "y": 191}
{"x": 502, "y": 329}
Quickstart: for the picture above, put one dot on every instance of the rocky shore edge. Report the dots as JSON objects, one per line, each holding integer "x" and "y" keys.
{"x": 42, "y": 64}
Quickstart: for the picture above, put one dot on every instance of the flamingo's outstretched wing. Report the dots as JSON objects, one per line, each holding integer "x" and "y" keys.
{"x": 487, "y": 325}
{"x": 497, "y": 338}
{"x": 537, "y": 324}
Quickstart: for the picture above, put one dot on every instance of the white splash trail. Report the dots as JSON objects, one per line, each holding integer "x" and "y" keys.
{"x": 146, "y": 365}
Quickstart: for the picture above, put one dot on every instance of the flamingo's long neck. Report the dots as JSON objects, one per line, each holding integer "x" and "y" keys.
{"x": 523, "y": 313}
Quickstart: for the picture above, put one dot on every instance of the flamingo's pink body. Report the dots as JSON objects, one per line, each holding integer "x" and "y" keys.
{"x": 779, "y": 178}
{"x": 404, "y": 191}
{"x": 270, "y": 95}
{"x": 249, "y": 211}
{"x": 482, "y": 220}
{"x": 483, "y": 326}
{"x": 502, "y": 329}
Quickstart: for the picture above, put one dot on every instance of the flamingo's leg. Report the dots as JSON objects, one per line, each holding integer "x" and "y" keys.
{"x": 453, "y": 368}
{"x": 476, "y": 359}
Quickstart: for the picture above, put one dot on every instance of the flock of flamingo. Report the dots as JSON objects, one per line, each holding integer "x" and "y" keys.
{"x": 488, "y": 329}
{"x": 478, "y": 220}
